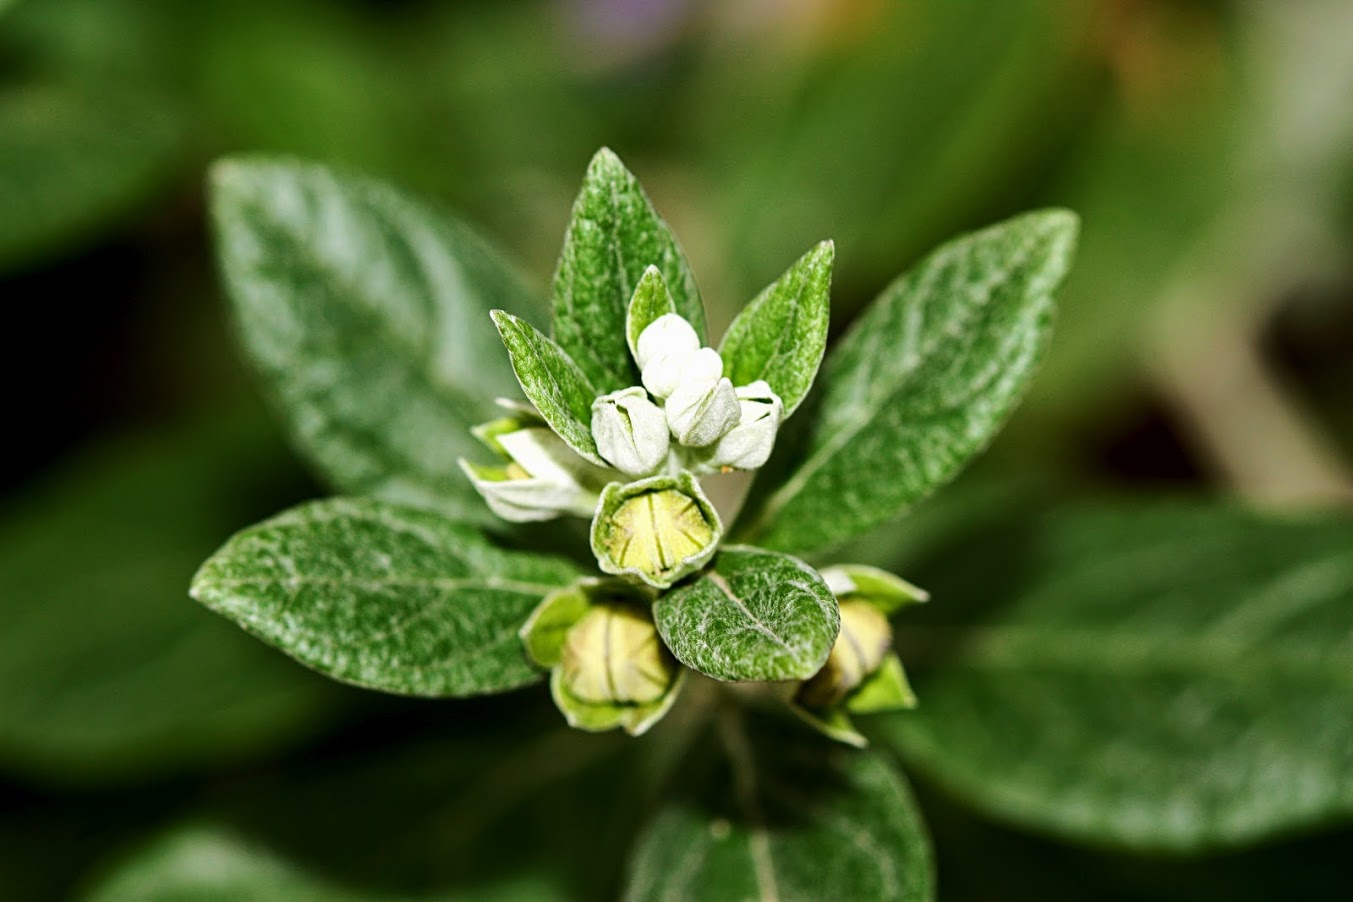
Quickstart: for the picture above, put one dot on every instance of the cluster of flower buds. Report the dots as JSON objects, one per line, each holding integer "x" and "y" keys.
{"x": 687, "y": 414}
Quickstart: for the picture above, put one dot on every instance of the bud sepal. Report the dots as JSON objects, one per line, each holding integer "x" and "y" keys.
{"x": 655, "y": 531}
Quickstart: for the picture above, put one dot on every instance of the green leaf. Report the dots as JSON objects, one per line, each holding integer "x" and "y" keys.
{"x": 552, "y": 382}
{"x": 781, "y": 335}
{"x": 385, "y": 597}
{"x": 1171, "y": 677}
{"x": 613, "y": 237}
{"x": 74, "y": 158}
{"x": 921, "y": 383}
{"x": 786, "y": 820}
{"x": 757, "y": 615}
{"x": 651, "y": 300}
{"x": 365, "y": 313}
{"x": 106, "y": 671}
{"x": 209, "y": 863}
{"x": 886, "y": 689}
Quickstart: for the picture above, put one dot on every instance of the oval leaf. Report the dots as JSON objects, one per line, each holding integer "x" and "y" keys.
{"x": 1166, "y": 678}
{"x": 785, "y": 820}
{"x": 921, "y": 383}
{"x": 385, "y": 597}
{"x": 781, "y": 335}
{"x": 552, "y": 382}
{"x": 614, "y": 235}
{"x": 365, "y": 313}
{"x": 757, "y": 615}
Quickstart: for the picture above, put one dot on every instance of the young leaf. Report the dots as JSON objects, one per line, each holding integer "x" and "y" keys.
{"x": 613, "y": 237}
{"x": 385, "y": 597}
{"x": 757, "y": 615}
{"x": 552, "y": 382}
{"x": 921, "y": 383}
{"x": 364, "y": 311}
{"x": 651, "y": 300}
{"x": 1172, "y": 677}
{"x": 788, "y": 821}
{"x": 781, "y": 335}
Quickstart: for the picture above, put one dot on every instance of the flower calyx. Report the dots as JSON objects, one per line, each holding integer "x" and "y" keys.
{"x": 655, "y": 531}
{"x": 608, "y": 665}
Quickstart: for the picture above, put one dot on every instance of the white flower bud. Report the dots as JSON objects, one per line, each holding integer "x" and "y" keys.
{"x": 631, "y": 431}
{"x": 545, "y": 478}
{"x": 748, "y": 445}
{"x": 668, "y": 372}
{"x": 668, "y": 334}
{"x": 700, "y": 415}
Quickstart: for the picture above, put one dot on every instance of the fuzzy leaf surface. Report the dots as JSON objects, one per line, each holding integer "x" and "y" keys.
{"x": 1166, "y": 677}
{"x": 384, "y": 597}
{"x": 612, "y": 238}
{"x": 552, "y": 382}
{"x": 921, "y": 383}
{"x": 781, "y": 335}
{"x": 756, "y": 615}
{"x": 787, "y": 821}
{"x": 366, "y": 314}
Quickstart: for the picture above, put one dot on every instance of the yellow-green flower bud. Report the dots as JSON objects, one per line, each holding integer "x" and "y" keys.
{"x": 613, "y": 656}
{"x": 859, "y": 650}
{"x": 655, "y": 531}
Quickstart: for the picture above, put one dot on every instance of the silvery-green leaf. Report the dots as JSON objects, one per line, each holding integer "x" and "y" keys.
{"x": 364, "y": 311}
{"x": 651, "y": 301}
{"x": 921, "y": 383}
{"x": 1164, "y": 677}
{"x": 552, "y": 382}
{"x": 781, "y": 335}
{"x": 385, "y": 597}
{"x": 756, "y": 615}
{"x": 784, "y": 818}
{"x": 614, "y": 236}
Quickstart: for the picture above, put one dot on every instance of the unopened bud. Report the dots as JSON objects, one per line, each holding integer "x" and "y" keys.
{"x": 859, "y": 650}
{"x": 700, "y": 415}
{"x": 747, "y": 445}
{"x": 668, "y": 372}
{"x": 655, "y": 531}
{"x": 630, "y": 431}
{"x": 668, "y": 334}
{"x": 613, "y": 656}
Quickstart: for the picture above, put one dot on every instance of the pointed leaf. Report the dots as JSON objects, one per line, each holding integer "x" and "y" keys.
{"x": 613, "y": 237}
{"x": 364, "y": 312}
{"x": 1170, "y": 677}
{"x": 786, "y": 820}
{"x": 651, "y": 300}
{"x": 781, "y": 335}
{"x": 921, "y": 383}
{"x": 757, "y": 615}
{"x": 385, "y": 597}
{"x": 552, "y": 382}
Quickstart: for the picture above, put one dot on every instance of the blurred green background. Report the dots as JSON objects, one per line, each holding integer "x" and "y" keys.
{"x": 1205, "y": 346}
